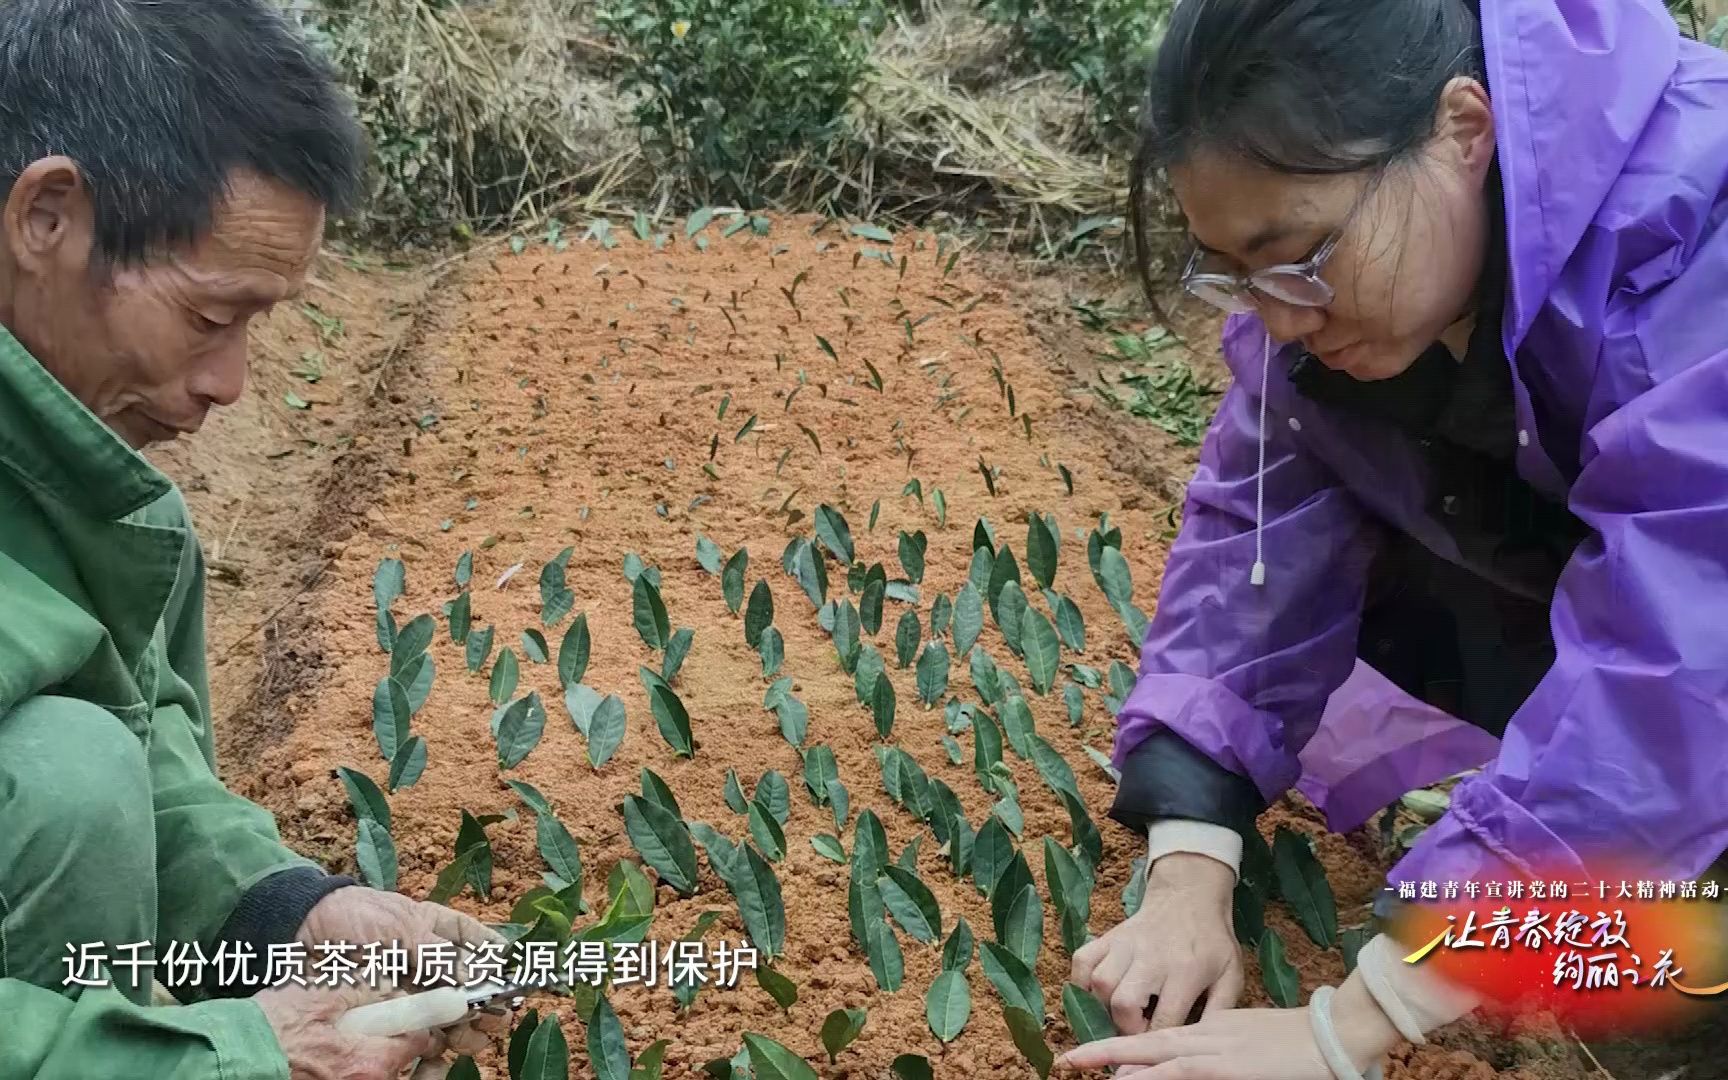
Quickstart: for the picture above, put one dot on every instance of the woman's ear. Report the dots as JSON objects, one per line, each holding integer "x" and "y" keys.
{"x": 1465, "y": 124}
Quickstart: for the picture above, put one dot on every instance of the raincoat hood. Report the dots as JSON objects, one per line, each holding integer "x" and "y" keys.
{"x": 1613, "y": 155}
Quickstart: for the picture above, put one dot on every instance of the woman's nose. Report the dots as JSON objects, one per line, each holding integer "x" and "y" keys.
{"x": 1289, "y": 322}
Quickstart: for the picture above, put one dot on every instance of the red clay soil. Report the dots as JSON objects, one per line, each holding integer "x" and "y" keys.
{"x": 552, "y": 400}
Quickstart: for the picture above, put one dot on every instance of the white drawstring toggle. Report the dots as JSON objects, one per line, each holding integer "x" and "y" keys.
{"x": 1258, "y": 575}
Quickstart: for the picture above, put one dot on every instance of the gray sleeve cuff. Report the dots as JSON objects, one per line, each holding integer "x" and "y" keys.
{"x": 269, "y": 913}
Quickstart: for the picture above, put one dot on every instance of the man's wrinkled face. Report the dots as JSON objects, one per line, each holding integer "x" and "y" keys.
{"x": 150, "y": 348}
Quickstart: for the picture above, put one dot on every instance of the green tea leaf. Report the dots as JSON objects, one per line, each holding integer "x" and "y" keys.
{"x": 608, "y": 1053}
{"x": 820, "y": 771}
{"x": 794, "y": 719}
{"x": 774, "y": 795}
{"x": 1303, "y": 885}
{"x": 957, "y": 951}
{"x": 907, "y": 637}
{"x": 870, "y": 607}
{"x": 605, "y": 730}
{"x": 416, "y": 681}
{"x": 829, "y": 848}
{"x": 912, "y": 548}
{"x": 771, "y": 1061}
{"x": 832, "y": 530}
{"x": 941, "y": 615}
{"x": 672, "y": 720}
{"x": 453, "y": 877}
{"x": 1247, "y": 914}
{"x": 411, "y": 642}
{"x": 933, "y": 673}
{"x": 1075, "y": 701}
{"x": 650, "y": 614}
{"x": 732, "y": 580}
{"x": 1114, "y": 577}
{"x": 505, "y": 673}
{"x": 663, "y": 841}
{"x": 1088, "y": 845}
{"x": 1276, "y": 972}
{"x": 548, "y": 1055}
{"x": 376, "y": 853}
{"x": 650, "y": 1062}
{"x": 1019, "y": 922}
{"x": 1087, "y": 1016}
{"x": 759, "y": 615}
{"x": 887, "y": 963}
{"x": 390, "y": 716}
{"x": 767, "y": 833}
{"x": 364, "y": 797}
{"x": 463, "y": 1069}
{"x": 519, "y": 730}
{"x": 573, "y": 653}
{"x": 1351, "y": 942}
{"x": 882, "y": 706}
{"x": 478, "y": 649}
{"x": 1043, "y": 652}
{"x": 991, "y": 855}
{"x": 471, "y": 839}
{"x": 1028, "y": 1035}
{"x": 559, "y": 849}
{"x": 912, "y": 1066}
{"x": 783, "y": 990}
{"x": 408, "y": 764}
{"x": 464, "y": 569}
{"x": 911, "y": 903}
{"x": 708, "y": 555}
{"x": 698, "y": 221}
{"x": 534, "y": 646}
{"x": 1014, "y": 982}
{"x": 1043, "y": 544}
{"x": 811, "y": 574}
{"x": 1070, "y": 625}
{"x": 968, "y": 619}
{"x": 757, "y": 891}
{"x": 461, "y": 618}
{"x": 841, "y": 1029}
{"x": 676, "y": 650}
{"x": 948, "y": 1005}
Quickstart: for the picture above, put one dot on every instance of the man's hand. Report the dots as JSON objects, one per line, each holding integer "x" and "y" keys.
{"x": 1179, "y": 947}
{"x": 305, "y": 1024}
{"x": 360, "y": 916}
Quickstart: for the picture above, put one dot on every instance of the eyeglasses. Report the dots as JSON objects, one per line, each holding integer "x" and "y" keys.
{"x": 1297, "y": 284}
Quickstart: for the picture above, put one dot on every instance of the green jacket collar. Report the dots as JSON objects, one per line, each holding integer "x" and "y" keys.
{"x": 59, "y": 449}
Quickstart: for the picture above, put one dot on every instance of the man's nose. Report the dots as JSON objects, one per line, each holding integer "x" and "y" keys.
{"x": 1289, "y": 322}
{"x": 222, "y": 378}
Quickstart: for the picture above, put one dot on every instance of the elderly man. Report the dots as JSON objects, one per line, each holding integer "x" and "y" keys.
{"x": 166, "y": 167}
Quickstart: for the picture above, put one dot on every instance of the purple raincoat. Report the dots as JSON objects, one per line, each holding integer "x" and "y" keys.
{"x": 1613, "y": 147}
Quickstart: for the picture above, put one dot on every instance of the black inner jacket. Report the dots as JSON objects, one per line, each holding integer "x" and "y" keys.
{"x": 1472, "y": 643}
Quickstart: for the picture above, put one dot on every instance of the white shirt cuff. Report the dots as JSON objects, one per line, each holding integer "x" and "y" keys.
{"x": 1171, "y": 835}
{"x": 1431, "y": 1001}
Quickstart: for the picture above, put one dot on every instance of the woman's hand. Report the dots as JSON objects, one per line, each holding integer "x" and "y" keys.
{"x": 1246, "y": 1044}
{"x": 1180, "y": 946}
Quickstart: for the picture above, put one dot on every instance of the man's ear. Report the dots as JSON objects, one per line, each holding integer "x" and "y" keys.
{"x": 48, "y": 216}
{"x": 1466, "y": 126}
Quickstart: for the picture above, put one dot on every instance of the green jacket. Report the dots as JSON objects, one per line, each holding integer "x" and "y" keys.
{"x": 103, "y": 587}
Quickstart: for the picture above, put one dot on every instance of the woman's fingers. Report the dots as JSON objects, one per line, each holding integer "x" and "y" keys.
{"x": 1132, "y": 994}
{"x": 1226, "y": 992}
{"x": 1150, "y": 1048}
{"x": 1175, "y": 1000}
{"x": 1108, "y": 973}
{"x": 1086, "y": 960}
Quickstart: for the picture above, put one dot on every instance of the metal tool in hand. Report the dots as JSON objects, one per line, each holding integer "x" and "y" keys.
{"x": 443, "y": 1007}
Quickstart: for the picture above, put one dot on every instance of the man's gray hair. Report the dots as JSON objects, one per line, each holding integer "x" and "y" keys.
{"x": 158, "y": 101}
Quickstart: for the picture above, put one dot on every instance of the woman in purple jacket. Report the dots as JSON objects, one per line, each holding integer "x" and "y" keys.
{"x": 1466, "y": 501}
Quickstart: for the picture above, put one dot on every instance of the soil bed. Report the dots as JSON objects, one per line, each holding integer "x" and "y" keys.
{"x": 551, "y": 400}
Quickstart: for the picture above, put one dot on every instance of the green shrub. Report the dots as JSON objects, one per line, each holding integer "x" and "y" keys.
{"x": 730, "y": 88}
{"x": 1104, "y": 45}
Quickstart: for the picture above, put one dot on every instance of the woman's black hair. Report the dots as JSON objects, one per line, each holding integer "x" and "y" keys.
{"x": 1306, "y": 87}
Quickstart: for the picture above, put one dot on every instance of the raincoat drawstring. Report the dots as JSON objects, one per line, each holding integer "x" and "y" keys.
{"x": 1258, "y": 576}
